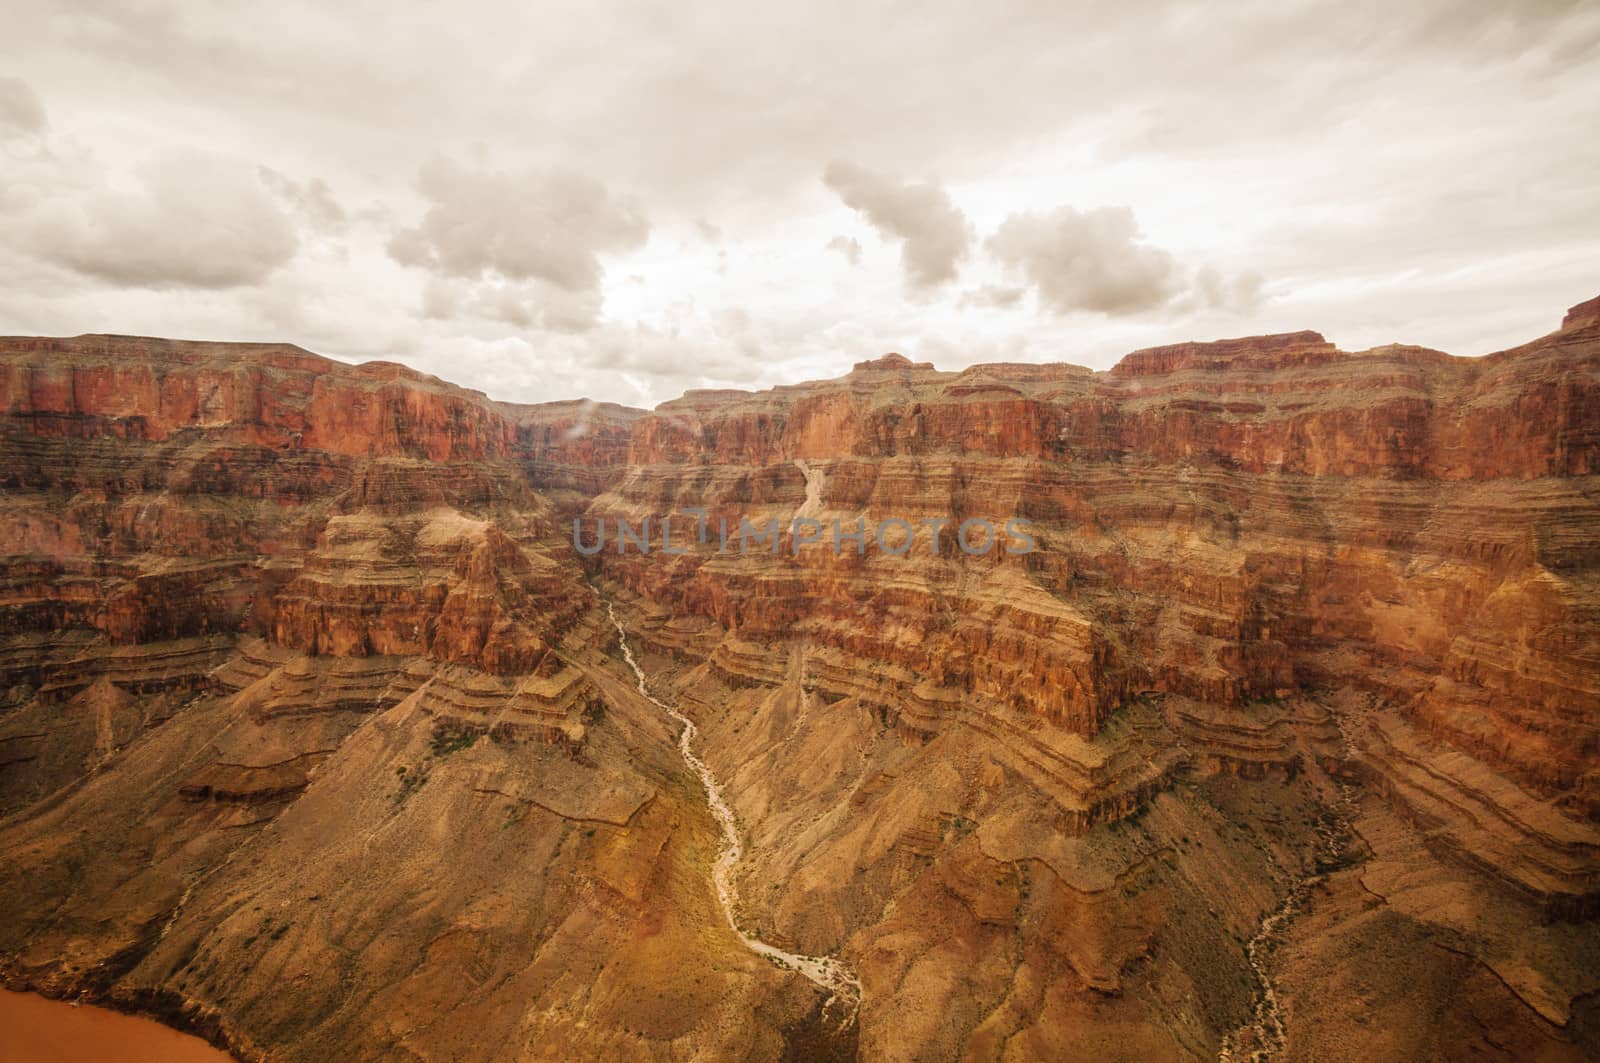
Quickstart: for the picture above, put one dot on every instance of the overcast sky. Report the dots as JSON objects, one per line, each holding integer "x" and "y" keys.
{"x": 550, "y": 200}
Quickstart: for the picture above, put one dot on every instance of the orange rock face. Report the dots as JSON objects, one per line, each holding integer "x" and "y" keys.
{"x": 234, "y": 465}
{"x": 1223, "y": 521}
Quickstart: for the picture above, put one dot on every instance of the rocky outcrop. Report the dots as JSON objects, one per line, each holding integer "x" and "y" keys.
{"x": 439, "y": 584}
{"x": 269, "y": 394}
{"x": 1584, "y": 315}
{"x": 1481, "y": 818}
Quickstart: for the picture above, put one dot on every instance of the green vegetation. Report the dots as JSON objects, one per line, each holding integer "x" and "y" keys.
{"x": 410, "y": 783}
{"x": 448, "y": 742}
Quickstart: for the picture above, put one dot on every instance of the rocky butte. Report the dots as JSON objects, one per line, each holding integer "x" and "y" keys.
{"x": 317, "y": 737}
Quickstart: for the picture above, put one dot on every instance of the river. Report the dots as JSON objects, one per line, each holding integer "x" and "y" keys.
{"x": 826, "y": 972}
{"x": 35, "y": 1029}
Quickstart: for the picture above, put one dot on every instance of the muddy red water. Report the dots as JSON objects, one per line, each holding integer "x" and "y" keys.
{"x": 36, "y": 1030}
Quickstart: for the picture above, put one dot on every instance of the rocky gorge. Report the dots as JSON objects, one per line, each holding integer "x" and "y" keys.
{"x": 317, "y": 736}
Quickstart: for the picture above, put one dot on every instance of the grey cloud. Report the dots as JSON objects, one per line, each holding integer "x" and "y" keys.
{"x": 1399, "y": 146}
{"x": 21, "y": 112}
{"x": 1096, "y": 261}
{"x": 548, "y": 225}
{"x": 848, "y": 246}
{"x": 189, "y": 221}
{"x": 1091, "y": 260}
{"x": 1241, "y": 293}
{"x": 719, "y": 96}
{"x": 726, "y": 347}
{"x": 521, "y": 304}
{"x": 313, "y": 198}
{"x": 562, "y": 311}
{"x": 935, "y": 233}
{"x": 651, "y": 352}
{"x": 440, "y": 299}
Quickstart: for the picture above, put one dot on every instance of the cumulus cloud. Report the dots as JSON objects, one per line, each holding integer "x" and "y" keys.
{"x": 935, "y": 234}
{"x": 1087, "y": 260}
{"x": 21, "y": 113}
{"x": 550, "y": 225}
{"x": 186, "y": 220}
{"x": 848, "y": 246}
{"x": 1097, "y": 261}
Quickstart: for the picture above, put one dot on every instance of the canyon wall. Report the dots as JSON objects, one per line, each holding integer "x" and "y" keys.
{"x": 313, "y": 732}
{"x": 1229, "y": 522}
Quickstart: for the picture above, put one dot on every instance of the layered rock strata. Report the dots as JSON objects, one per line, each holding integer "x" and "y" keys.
{"x": 313, "y": 735}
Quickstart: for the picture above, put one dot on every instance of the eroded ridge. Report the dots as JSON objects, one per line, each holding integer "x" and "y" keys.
{"x": 829, "y": 974}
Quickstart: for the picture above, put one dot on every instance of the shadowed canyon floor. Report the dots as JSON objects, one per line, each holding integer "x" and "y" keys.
{"x": 318, "y": 738}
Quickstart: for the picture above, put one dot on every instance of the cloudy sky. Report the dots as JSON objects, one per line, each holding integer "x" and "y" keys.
{"x": 620, "y": 200}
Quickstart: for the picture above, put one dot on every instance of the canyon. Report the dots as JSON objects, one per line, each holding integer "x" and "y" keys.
{"x": 321, "y": 740}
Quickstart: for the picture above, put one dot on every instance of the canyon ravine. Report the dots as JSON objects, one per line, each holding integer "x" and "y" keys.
{"x": 321, "y": 738}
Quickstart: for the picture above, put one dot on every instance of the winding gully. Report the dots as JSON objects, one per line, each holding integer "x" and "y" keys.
{"x": 827, "y": 973}
{"x": 1266, "y": 1036}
